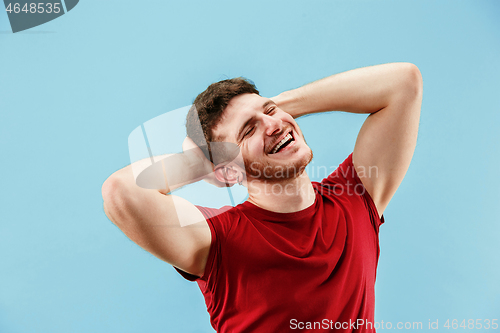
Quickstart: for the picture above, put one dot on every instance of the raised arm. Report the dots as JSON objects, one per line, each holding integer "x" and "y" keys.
{"x": 165, "y": 225}
{"x": 392, "y": 94}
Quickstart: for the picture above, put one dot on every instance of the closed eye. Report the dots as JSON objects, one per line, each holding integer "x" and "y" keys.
{"x": 270, "y": 110}
{"x": 250, "y": 130}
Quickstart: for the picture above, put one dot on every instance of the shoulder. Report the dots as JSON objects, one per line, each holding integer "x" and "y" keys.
{"x": 344, "y": 179}
{"x": 345, "y": 187}
{"x": 221, "y": 220}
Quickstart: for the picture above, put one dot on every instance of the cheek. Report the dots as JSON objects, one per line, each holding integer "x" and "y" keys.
{"x": 289, "y": 119}
{"x": 286, "y": 116}
{"x": 253, "y": 147}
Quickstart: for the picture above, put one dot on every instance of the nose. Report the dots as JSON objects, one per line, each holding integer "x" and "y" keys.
{"x": 271, "y": 124}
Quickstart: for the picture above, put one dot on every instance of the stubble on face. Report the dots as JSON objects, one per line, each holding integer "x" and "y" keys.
{"x": 274, "y": 172}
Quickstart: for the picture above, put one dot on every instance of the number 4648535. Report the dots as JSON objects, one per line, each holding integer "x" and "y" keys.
{"x": 34, "y": 8}
{"x": 472, "y": 324}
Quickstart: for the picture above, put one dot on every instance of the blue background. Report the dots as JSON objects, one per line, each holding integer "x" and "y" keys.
{"x": 73, "y": 89}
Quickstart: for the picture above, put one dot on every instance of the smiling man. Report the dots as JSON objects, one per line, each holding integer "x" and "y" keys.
{"x": 297, "y": 254}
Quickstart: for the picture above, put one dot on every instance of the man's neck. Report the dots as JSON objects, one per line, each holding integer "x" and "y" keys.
{"x": 287, "y": 196}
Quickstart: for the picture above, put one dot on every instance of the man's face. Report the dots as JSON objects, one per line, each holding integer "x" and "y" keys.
{"x": 271, "y": 142}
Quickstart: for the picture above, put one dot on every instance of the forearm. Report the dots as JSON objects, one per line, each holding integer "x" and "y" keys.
{"x": 169, "y": 172}
{"x": 362, "y": 90}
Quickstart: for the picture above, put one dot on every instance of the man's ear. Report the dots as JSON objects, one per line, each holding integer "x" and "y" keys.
{"x": 229, "y": 174}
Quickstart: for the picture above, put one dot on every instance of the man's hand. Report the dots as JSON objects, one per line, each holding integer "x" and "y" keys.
{"x": 189, "y": 147}
{"x": 392, "y": 95}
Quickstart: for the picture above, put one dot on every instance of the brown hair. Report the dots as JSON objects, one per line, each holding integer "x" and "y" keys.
{"x": 208, "y": 107}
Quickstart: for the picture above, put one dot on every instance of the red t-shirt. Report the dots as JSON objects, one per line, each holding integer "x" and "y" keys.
{"x": 311, "y": 270}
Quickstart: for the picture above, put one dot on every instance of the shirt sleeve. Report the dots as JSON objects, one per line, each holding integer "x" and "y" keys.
{"x": 345, "y": 180}
{"x": 219, "y": 223}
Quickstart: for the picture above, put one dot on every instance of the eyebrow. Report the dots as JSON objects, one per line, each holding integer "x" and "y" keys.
{"x": 265, "y": 105}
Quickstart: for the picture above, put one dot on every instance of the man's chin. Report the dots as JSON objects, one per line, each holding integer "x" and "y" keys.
{"x": 274, "y": 172}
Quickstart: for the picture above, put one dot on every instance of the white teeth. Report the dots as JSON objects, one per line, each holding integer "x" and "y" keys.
{"x": 281, "y": 143}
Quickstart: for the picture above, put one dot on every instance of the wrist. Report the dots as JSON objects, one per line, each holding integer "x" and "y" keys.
{"x": 197, "y": 166}
{"x": 291, "y": 102}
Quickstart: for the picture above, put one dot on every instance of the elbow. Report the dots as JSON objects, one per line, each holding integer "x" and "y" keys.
{"x": 109, "y": 188}
{"x": 114, "y": 194}
{"x": 412, "y": 81}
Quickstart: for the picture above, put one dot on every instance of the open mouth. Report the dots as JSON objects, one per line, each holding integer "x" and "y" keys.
{"x": 288, "y": 139}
